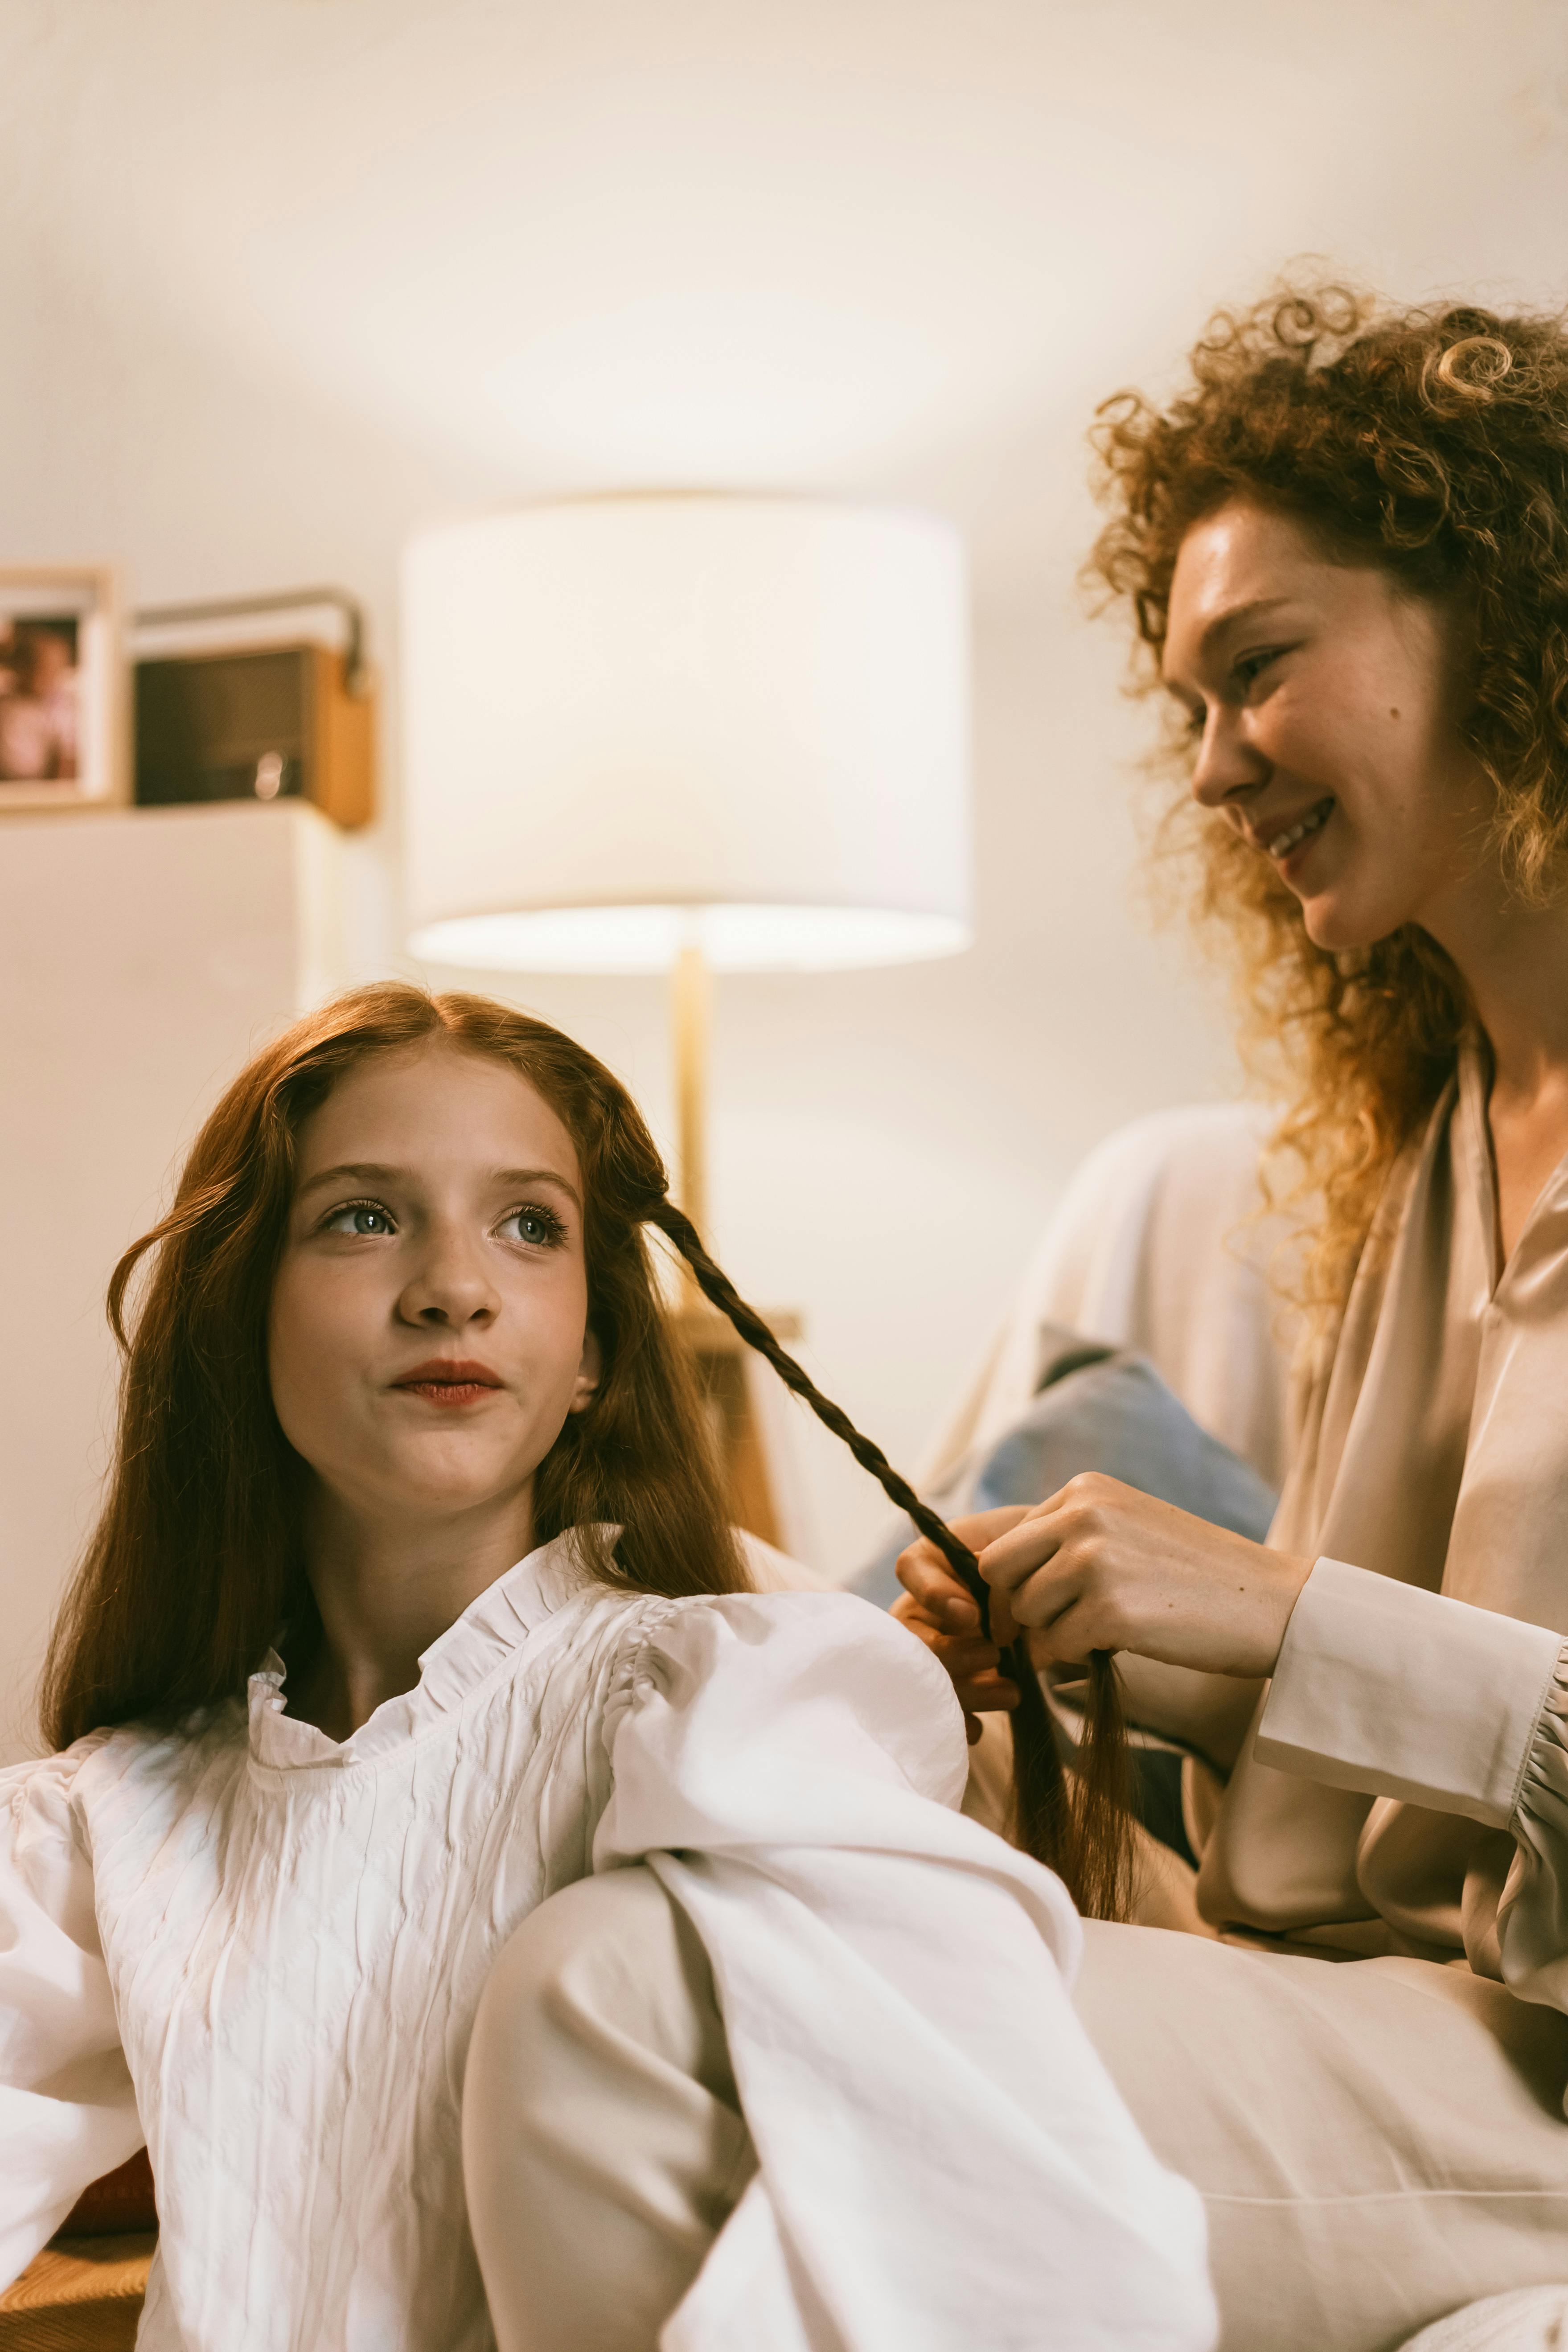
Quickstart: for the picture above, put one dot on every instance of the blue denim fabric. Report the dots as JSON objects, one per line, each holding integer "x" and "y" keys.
{"x": 1098, "y": 1409}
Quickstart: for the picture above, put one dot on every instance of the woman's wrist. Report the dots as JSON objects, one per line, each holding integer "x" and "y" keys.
{"x": 1286, "y": 1585}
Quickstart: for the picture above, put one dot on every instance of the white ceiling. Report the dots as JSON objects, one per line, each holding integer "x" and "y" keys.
{"x": 888, "y": 245}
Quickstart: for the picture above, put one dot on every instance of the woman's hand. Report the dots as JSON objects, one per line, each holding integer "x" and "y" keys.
{"x": 1101, "y": 1567}
{"x": 935, "y": 1606}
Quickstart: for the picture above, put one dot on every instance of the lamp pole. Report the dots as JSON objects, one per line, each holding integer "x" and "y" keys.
{"x": 690, "y": 994}
{"x": 723, "y": 1362}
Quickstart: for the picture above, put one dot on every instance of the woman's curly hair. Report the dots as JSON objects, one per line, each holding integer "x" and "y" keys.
{"x": 1433, "y": 444}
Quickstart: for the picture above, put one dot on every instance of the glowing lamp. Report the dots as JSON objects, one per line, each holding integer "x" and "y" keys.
{"x": 683, "y": 733}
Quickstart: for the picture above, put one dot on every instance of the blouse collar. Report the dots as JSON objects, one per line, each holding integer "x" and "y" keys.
{"x": 1478, "y": 1177}
{"x": 1542, "y": 1239}
{"x": 490, "y": 1630}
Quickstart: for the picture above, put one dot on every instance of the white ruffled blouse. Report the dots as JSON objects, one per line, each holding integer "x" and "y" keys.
{"x": 261, "y": 1952}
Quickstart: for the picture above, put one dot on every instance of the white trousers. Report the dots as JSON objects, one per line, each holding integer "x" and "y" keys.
{"x": 1378, "y": 2142}
{"x": 603, "y": 2144}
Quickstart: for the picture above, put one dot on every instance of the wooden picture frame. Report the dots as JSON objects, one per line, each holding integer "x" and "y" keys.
{"x": 64, "y": 741}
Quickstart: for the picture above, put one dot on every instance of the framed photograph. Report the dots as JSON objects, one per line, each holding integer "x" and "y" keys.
{"x": 62, "y": 690}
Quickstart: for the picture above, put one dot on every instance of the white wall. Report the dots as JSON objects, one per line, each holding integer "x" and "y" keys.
{"x": 259, "y": 263}
{"x": 143, "y": 956}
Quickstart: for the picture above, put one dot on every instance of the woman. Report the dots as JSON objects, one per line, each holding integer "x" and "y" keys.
{"x": 402, "y": 1399}
{"x": 1346, "y": 550}
{"x": 1346, "y": 545}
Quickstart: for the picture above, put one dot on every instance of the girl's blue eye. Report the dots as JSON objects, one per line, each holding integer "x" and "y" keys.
{"x": 360, "y": 1217}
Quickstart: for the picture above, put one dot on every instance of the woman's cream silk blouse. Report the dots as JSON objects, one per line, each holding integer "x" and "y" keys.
{"x": 1404, "y": 1784}
{"x": 262, "y": 1951}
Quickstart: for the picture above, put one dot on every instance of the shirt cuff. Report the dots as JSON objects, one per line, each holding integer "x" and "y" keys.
{"x": 1398, "y": 1692}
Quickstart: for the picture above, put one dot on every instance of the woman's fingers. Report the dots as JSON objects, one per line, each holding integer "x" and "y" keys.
{"x": 1012, "y": 1564}
{"x": 933, "y": 1586}
{"x": 965, "y": 1654}
{"x": 925, "y": 1575}
{"x": 971, "y": 1663}
{"x": 1005, "y": 1626}
{"x": 909, "y": 1612}
{"x": 987, "y": 1693}
{"x": 948, "y": 1609}
{"x": 1102, "y": 1566}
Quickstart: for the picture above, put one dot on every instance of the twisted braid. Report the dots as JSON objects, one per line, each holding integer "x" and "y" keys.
{"x": 721, "y": 1292}
{"x": 1087, "y": 1844}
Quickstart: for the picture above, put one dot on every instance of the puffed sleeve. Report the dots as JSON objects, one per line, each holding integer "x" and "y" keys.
{"x": 1408, "y": 1694}
{"x": 942, "y": 2159}
{"x": 67, "y": 2111}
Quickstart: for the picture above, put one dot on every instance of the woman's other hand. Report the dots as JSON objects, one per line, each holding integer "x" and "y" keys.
{"x": 935, "y": 1606}
{"x": 1101, "y": 1567}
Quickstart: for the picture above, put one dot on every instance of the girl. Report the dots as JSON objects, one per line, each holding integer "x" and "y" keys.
{"x": 412, "y": 1603}
{"x": 1346, "y": 550}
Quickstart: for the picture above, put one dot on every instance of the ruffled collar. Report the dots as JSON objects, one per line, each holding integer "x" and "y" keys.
{"x": 490, "y": 1630}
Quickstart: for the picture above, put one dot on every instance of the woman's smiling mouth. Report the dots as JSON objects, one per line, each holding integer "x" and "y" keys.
{"x": 1292, "y": 836}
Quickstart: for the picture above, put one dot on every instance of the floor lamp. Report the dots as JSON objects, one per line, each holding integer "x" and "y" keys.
{"x": 689, "y": 733}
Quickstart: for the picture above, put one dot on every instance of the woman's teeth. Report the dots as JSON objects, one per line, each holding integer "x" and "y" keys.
{"x": 1284, "y": 843}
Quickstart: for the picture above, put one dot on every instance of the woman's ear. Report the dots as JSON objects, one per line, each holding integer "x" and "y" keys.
{"x": 590, "y": 1372}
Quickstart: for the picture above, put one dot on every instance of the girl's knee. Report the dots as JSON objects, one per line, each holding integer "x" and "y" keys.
{"x": 607, "y": 1974}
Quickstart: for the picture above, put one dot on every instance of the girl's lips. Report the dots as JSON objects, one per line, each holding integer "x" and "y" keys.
{"x": 455, "y": 1383}
{"x": 450, "y": 1393}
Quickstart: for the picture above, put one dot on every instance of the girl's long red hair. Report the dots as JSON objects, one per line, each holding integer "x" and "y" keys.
{"x": 197, "y": 1562}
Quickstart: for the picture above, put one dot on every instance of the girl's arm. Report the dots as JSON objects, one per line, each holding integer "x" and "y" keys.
{"x": 935, "y": 2135}
{"x": 67, "y": 2111}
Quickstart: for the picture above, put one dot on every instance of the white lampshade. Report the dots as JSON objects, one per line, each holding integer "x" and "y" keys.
{"x": 639, "y": 722}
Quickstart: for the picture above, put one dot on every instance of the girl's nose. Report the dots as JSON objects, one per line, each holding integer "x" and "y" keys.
{"x": 452, "y": 1287}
